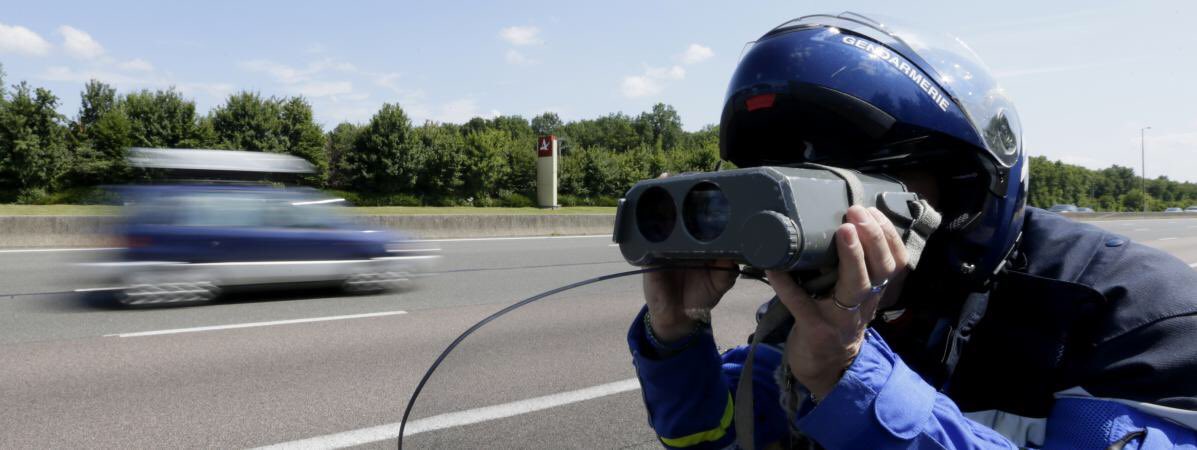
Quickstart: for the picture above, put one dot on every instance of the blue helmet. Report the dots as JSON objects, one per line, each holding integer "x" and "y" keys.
{"x": 849, "y": 91}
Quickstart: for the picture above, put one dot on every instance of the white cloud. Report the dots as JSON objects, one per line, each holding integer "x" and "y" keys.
{"x": 515, "y": 57}
{"x": 136, "y": 65}
{"x": 287, "y": 74}
{"x": 640, "y": 86}
{"x": 21, "y": 40}
{"x": 517, "y": 35}
{"x": 696, "y": 53}
{"x": 126, "y": 81}
{"x": 458, "y": 111}
{"x": 79, "y": 44}
{"x": 324, "y": 88}
{"x": 652, "y": 82}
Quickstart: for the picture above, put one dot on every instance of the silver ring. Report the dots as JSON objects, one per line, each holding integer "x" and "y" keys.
{"x": 836, "y": 301}
{"x": 877, "y": 288}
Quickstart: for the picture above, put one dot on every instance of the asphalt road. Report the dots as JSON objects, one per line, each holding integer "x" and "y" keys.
{"x": 79, "y": 373}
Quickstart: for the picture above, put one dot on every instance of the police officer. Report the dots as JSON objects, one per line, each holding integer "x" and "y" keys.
{"x": 1019, "y": 328}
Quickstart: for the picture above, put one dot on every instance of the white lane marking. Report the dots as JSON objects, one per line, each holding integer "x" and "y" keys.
{"x": 459, "y": 418}
{"x": 1142, "y": 229}
{"x": 43, "y": 250}
{"x": 1165, "y": 239}
{"x": 514, "y": 238}
{"x": 613, "y": 245}
{"x": 254, "y": 324}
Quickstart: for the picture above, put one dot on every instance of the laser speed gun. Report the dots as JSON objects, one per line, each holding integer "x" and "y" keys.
{"x": 775, "y": 218}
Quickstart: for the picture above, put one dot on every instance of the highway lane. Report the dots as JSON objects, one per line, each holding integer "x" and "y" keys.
{"x": 66, "y": 384}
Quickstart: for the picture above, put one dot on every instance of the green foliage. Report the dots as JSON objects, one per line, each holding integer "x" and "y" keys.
{"x": 1114, "y": 188}
{"x": 389, "y": 161}
{"x": 100, "y": 138}
{"x": 163, "y": 119}
{"x": 33, "y": 143}
{"x": 546, "y": 124}
{"x": 247, "y": 121}
{"x": 384, "y": 158}
{"x": 337, "y": 143}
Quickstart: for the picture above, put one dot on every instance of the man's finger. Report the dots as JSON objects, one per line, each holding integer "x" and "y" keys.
{"x": 853, "y": 281}
{"x": 879, "y": 259}
{"x": 897, "y": 248}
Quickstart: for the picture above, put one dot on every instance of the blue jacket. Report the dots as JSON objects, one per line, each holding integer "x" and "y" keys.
{"x": 1085, "y": 343}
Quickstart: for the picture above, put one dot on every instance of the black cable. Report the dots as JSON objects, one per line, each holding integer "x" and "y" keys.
{"x": 428, "y": 374}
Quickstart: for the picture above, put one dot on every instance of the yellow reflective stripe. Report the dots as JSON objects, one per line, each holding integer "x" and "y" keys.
{"x": 711, "y": 435}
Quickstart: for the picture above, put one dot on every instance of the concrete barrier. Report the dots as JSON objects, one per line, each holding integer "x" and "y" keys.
{"x": 57, "y": 231}
{"x": 465, "y": 226}
{"x": 93, "y": 231}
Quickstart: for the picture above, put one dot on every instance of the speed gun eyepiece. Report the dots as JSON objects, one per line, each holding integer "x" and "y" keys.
{"x": 776, "y": 218}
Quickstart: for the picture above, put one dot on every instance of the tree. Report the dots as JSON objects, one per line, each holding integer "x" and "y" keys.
{"x": 246, "y": 121}
{"x": 445, "y": 156}
{"x": 383, "y": 159}
{"x": 99, "y": 138}
{"x": 545, "y": 124}
{"x": 33, "y": 150}
{"x": 301, "y": 133}
{"x": 338, "y": 142}
{"x": 97, "y": 99}
{"x": 163, "y": 119}
{"x": 661, "y": 127}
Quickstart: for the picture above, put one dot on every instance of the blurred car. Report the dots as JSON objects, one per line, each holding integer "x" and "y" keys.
{"x": 1191, "y": 209}
{"x": 190, "y": 242}
{"x": 1173, "y": 210}
{"x": 1084, "y": 209}
{"x": 1063, "y": 208}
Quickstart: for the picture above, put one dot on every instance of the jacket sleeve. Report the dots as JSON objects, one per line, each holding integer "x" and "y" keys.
{"x": 688, "y": 400}
{"x": 881, "y": 403}
{"x": 690, "y": 394}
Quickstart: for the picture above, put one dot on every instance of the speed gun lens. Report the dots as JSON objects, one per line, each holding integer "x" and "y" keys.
{"x": 706, "y": 211}
{"x": 656, "y": 215}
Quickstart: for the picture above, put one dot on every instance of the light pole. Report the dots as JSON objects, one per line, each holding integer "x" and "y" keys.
{"x": 1143, "y": 151}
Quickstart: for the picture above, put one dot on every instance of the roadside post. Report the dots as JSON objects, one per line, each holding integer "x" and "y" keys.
{"x": 546, "y": 172}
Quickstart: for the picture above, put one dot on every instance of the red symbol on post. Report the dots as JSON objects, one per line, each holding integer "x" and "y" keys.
{"x": 544, "y": 146}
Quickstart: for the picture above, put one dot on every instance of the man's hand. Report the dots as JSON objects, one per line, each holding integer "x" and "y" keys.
{"x": 829, "y": 331}
{"x": 675, "y": 297}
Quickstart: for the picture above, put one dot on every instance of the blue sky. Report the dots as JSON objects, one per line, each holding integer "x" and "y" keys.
{"x": 1086, "y": 75}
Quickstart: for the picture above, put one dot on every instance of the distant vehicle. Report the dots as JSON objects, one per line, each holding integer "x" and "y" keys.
{"x": 188, "y": 243}
{"x": 1084, "y": 209}
{"x": 1173, "y": 210}
{"x": 1191, "y": 209}
{"x": 1063, "y": 208}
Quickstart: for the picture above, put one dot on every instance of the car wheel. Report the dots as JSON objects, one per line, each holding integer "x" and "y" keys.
{"x": 168, "y": 293}
{"x": 374, "y": 282}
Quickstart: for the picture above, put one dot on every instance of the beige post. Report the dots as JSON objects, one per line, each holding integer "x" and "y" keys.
{"x": 546, "y": 172}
